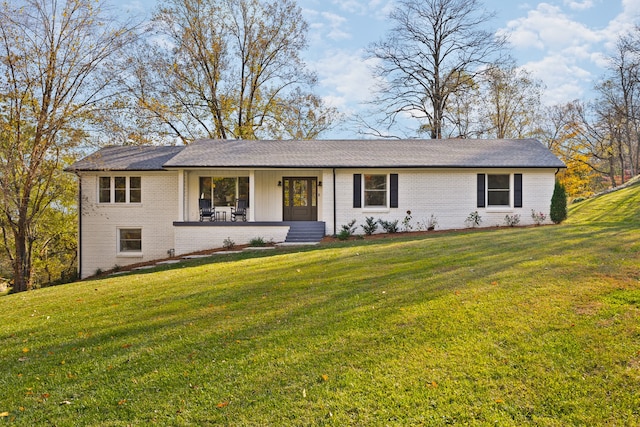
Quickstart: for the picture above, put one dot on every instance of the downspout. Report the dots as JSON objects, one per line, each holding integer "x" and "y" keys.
{"x": 79, "y": 225}
{"x": 334, "y": 201}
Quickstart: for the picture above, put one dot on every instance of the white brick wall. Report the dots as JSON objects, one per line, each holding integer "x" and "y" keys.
{"x": 101, "y": 221}
{"x": 198, "y": 238}
{"x": 450, "y": 195}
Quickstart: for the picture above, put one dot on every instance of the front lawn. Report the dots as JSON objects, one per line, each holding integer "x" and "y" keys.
{"x": 531, "y": 326}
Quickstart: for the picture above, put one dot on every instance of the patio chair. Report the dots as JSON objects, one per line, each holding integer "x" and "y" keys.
{"x": 206, "y": 210}
{"x": 240, "y": 210}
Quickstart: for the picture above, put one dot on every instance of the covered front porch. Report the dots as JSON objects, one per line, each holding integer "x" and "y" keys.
{"x": 276, "y": 201}
{"x": 270, "y": 195}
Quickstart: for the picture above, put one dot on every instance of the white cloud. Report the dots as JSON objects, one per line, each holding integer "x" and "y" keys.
{"x": 548, "y": 28}
{"x": 345, "y": 77}
{"x": 325, "y": 26}
{"x": 352, "y": 6}
{"x": 564, "y": 78}
{"x": 568, "y": 56}
{"x": 624, "y": 23}
{"x": 579, "y": 5}
{"x": 335, "y": 23}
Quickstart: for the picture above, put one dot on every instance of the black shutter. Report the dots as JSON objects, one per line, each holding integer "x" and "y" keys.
{"x": 393, "y": 191}
{"x": 357, "y": 190}
{"x": 517, "y": 190}
{"x": 481, "y": 202}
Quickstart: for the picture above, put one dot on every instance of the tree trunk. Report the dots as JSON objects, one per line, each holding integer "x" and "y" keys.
{"x": 22, "y": 261}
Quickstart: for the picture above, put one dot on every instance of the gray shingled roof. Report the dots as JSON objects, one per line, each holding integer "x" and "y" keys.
{"x": 465, "y": 153}
{"x": 133, "y": 158}
{"x": 412, "y": 153}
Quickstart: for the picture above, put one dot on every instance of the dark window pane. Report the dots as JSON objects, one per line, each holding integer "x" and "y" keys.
{"x": 375, "y": 190}
{"x": 375, "y": 182}
{"x": 205, "y": 188}
{"x": 135, "y": 189}
{"x": 498, "y": 182}
{"x": 105, "y": 189}
{"x": 243, "y": 188}
{"x": 120, "y": 194}
{"x": 375, "y": 198}
{"x": 498, "y": 198}
{"x": 130, "y": 240}
{"x": 224, "y": 191}
{"x": 498, "y": 190}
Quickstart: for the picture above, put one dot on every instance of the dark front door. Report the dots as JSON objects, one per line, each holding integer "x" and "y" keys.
{"x": 300, "y": 199}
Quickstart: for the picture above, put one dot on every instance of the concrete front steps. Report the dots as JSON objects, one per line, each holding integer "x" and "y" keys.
{"x": 305, "y": 232}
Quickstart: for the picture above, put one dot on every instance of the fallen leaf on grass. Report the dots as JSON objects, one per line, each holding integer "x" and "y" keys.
{"x": 325, "y": 377}
{"x": 126, "y": 345}
{"x": 4, "y": 414}
{"x": 122, "y": 402}
{"x": 222, "y": 404}
{"x": 25, "y": 350}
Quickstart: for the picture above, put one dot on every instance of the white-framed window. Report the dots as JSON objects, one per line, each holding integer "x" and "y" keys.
{"x": 119, "y": 189}
{"x": 498, "y": 190}
{"x": 130, "y": 241}
{"x": 375, "y": 190}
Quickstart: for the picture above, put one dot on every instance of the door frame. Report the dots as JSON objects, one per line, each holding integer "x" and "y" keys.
{"x": 309, "y": 212}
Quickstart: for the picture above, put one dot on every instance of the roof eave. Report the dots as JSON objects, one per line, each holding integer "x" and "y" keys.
{"x": 382, "y": 166}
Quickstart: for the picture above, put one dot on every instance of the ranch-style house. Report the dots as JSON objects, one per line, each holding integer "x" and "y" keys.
{"x": 144, "y": 203}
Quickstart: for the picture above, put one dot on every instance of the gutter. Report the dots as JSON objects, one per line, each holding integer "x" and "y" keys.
{"x": 334, "y": 202}
{"x": 79, "y": 224}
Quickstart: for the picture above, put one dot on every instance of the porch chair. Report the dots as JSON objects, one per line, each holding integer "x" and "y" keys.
{"x": 240, "y": 210}
{"x": 206, "y": 210}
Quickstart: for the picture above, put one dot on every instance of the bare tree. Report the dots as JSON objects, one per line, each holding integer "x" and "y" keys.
{"x": 435, "y": 49}
{"x": 620, "y": 97}
{"x": 302, "y": 115}
{"x": 53, "y": 56}
{"x": 224, "y": 69}
{"x": 463, "y": 111}
{"x": 511, "y": 103}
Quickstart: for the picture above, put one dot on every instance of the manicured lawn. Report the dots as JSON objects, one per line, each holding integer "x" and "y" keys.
{"x": 516, "y": 326}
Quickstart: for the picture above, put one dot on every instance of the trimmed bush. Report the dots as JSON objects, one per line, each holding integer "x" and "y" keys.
{"x": 370, "y": 226}
{"x": 558, "y": 212}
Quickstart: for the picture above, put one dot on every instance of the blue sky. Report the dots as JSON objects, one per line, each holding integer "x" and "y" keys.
{"x": 563, "y": 43}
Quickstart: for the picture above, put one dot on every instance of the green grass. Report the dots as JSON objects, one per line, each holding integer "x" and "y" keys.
{"x": 531, "y": 326}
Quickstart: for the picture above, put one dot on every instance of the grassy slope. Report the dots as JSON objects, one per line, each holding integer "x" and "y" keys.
{"x": 533, "y": 326}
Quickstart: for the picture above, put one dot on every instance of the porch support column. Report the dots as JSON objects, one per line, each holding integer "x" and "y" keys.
{"x": 252, "y": 197}
{"x": 181, "y": 195}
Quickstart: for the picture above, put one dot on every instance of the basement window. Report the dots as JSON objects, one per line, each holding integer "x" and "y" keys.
{"x": 130, "y": 241}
